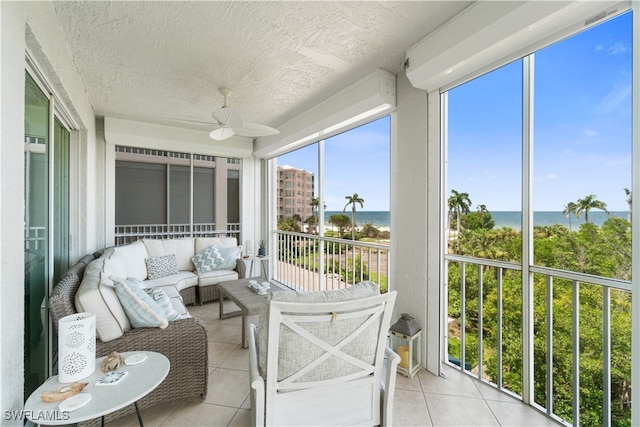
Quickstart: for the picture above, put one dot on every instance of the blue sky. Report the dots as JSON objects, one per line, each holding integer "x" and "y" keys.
{"x": 582, "y": 132}
{"x": 356, "y": 161}
{"x": 582, "y": 125}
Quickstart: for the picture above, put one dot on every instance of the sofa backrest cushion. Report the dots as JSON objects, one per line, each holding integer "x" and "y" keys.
{"x": 127, "y": 261}
{"x": 183, "y": 249}
{"x": 221, "y": 242}
{"x": 96, "y": 297}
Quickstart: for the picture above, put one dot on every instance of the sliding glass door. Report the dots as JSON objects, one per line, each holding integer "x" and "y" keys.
{"x": 46, "y": 219}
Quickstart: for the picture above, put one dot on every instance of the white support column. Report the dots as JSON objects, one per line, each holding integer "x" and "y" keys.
{"x": 635, "y": 224}
{"x": 409, "y": 205}
{"x": 527, "y": 227}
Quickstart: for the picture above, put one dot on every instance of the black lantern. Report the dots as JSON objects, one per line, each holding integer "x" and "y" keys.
{"x": 406, "y": 340}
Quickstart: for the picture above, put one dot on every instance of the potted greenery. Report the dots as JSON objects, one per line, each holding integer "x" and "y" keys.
{"x": 262, "y": 248}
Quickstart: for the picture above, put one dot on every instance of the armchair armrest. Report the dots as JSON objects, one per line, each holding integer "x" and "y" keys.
{"x": 389, "y": 386}
{"x": 256, "y": 382}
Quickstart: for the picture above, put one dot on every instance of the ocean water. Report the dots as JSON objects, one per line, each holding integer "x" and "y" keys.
{"x": 502, "y": 218}
{"x": 376, "y": 218}
{"x": 547, "y": 218}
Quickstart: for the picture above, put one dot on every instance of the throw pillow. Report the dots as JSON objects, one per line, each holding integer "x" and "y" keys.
{"x": 160, "y": 297}
{"x": 163, "y": 300}
{"x": 229, "y": 256}
{"x": 207, "y": 259}
{"x": 161, "y": 266}
{"x": 141, "y": 309}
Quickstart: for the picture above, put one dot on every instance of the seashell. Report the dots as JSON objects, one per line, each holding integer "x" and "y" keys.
{"x": 112, "y": 362}
{"x": 63, "y": 392}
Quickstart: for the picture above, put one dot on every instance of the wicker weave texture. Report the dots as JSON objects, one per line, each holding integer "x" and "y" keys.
{"x": 183, "y": 342}
{"x": 210, "y": 293}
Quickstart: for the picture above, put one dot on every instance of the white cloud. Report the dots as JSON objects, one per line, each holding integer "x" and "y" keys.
{"x": 617, "y": 48}
{"x": 551, "y": 176}
{"x": 612, "y": 100}
{"x": 599, "y": 47}
{"x": 591, "y": 133}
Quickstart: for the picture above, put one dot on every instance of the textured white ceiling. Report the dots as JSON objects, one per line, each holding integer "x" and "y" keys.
{"x": 155, "y": 61}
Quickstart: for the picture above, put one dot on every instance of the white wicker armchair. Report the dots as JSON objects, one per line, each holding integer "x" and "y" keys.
{"x": 323, "y": 363}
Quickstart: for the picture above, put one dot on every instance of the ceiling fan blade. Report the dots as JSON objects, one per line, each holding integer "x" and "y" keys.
{"x": 253, "y": 130}
{"x": 221, "y": 133}
{"x": 227, "y": 116}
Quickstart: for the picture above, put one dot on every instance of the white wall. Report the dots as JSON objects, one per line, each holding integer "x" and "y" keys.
{"x": 33, "y": 26}
{"x": 160, "y": 137}
{"x": 11, "y": 206}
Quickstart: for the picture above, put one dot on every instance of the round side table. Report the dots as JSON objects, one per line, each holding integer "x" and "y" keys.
{"x": 141, "y": 380}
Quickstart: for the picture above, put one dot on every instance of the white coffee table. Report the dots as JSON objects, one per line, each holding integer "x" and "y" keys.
{"x": 141, "y": 380}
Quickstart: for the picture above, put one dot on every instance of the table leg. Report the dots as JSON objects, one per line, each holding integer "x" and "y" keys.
{"x": 220, "y": 303}
{"x": 264, "y": 270}
{"x": 245, "y": 344}
{"x": 138, "y": 413}
{"x": 251, "y": 269}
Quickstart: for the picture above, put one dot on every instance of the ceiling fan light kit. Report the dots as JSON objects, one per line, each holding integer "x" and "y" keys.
{"x": 230, "y": 123}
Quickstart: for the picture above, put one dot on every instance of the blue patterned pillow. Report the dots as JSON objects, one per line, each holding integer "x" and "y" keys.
{"x": 208, "y": 259}
{"x": 163, "y": 300}
{"x": 141, "y": 309}
{"x": 161, "y": 266}
{"x": 229, "y": 256}
{"x": 160, "y": 297}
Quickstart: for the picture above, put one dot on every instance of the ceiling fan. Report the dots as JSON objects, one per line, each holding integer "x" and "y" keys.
{"x": 229, "y": 122}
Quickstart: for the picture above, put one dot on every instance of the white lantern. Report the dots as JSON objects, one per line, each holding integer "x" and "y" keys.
{"x": 76, "y": 347}
{"x": 406, "y": 340}
{"x": 250, "y": 247}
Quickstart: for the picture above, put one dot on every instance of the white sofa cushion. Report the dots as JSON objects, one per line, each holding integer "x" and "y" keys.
{"x": 182, "y": 280}
{"x": 182, "y": 248}
{"x": 216, "y": 276}
{"x": 221, "y": 242}
{"x": 128, "y": 261}
{"x": 93, "y": 296}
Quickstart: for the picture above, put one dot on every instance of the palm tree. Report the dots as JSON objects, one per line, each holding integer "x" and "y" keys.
{"x": 353, "y": 200}
{"x": 588, "y": 203}
{"x": 629, "y": 202}
{"x": 459, "y": 204}
{"x": 315, "y": 202}
{"x": 570, "y": 208}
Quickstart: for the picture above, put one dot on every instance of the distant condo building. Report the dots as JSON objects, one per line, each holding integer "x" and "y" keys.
{"x": 295, "y": 191}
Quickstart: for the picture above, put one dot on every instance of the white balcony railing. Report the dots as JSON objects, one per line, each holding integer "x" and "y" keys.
{"x": 311, "y": 262}
{"x": 130, "y": 233}
{"x": 581, "y": 330}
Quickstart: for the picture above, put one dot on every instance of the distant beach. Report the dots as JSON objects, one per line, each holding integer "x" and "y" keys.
{"x": 512, "y": 219}
{"x": 379, "y": 219}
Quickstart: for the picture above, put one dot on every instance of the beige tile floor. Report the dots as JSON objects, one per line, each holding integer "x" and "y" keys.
{"x": 425, "y": 400}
